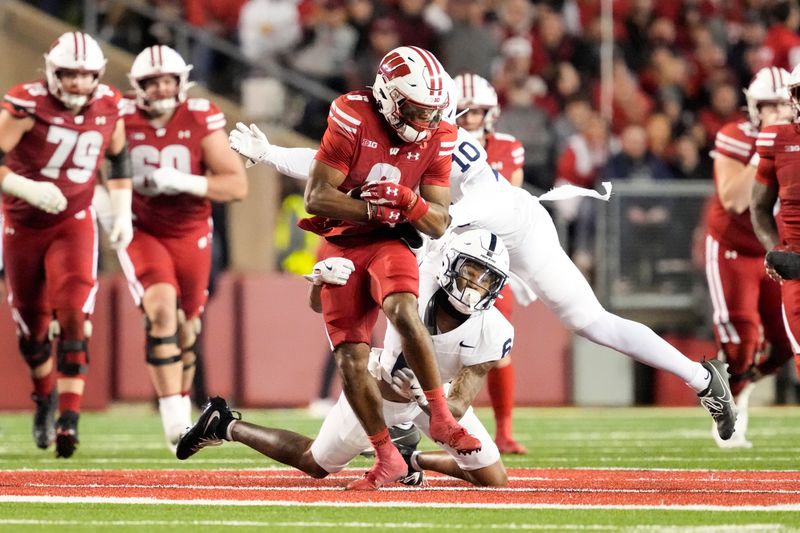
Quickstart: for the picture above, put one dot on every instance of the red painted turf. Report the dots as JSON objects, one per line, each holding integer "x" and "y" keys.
{"x": 527, "y": 486}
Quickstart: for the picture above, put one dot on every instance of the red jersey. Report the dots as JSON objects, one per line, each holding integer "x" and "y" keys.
{"x": 735, "y": 140}
{"x": 781, "y": 48}
{"x": 504, "y": 153}
{"x": 177, "y": 145}
{"x": 361, "y": 144}
{"x": 779, "y": 148}
{"x": 62, "y": 148}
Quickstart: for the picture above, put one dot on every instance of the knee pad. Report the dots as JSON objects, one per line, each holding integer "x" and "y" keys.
{"x": 73, "y": 357}
{"x": 188, "y": 363}
{"x": 152, "y": 342}
{"x": 34, "y": 353}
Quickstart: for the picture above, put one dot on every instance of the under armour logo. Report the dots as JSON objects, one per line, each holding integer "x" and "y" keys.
{"x": 394, "y": 215}
{"x": 413, "y": 156}
{"x": 100, "y": 120}
{"x": 184, "y": 134}
{"x": 394, "y": 151}
{"x": 392, "y": 191}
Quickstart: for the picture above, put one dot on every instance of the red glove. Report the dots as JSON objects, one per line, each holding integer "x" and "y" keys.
{"x": 384, "y": 214}
{"x": 395, "y": 195}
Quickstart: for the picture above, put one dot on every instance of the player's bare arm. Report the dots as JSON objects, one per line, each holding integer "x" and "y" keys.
{"x": 466, "y": 385}
{"x": 734, "y": 183}
{"x": 11, "y": 131}
{"x": 761, "y": 206}
{"x": 227, "y": 180}
{"x": 435, "y": 221}
{"x": 517, "y": 177}
{"x": 323, "y": 198}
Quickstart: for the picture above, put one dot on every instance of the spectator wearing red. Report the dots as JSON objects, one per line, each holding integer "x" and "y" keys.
{"x": 782, "y": 44}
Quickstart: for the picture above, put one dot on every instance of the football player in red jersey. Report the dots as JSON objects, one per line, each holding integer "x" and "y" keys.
{"x": 388, "y": 150}
{"x": 477, "y": 111}
{"x": 747, "y": 304}
{"x": 181, "y": 162}
{"x": 54, "y": 134}
{"x": 778, "y": 147}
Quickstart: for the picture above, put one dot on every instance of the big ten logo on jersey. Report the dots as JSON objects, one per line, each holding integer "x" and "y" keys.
{"x": 85, "y": 149}
{"x": 145, "y": 159}
{"x": 383, "y": 172}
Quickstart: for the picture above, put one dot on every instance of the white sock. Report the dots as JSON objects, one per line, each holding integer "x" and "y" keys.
{"x": 414, "y": 463}
{"x": 173, "y": 417}
{"x": 642, "y": 344}
{"x": 701, "y": 379}
{"x": 187, "y": 409}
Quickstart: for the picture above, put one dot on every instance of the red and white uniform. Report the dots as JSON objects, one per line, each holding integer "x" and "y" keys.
{"x": 747, "y": 304}
{"x": 779, "y": 148}
{"x": 172, "y": 233}
{"x": 505, "y": 154}
{"x": 360, "y": 144}
{"x": 50, "y": 260}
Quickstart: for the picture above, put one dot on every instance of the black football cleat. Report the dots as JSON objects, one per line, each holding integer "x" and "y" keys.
{"x": 44, "y": 419}
{"x": 67, "y": 434}
{"x": 717, "y": 398}
{"x": 209, "y": 430}
{"x": 406, "y": 441}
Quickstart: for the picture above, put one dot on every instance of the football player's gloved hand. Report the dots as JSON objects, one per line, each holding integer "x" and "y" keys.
{"x": 121, "y": 233}
{"x": 42, "y": 195}
{"x": 384, "y": 214}
{"x": 406, "y": 384}
{"x": 396, "y": 196}
{"x": 168, "y": 180}
{"x": 333, "y": 271}
{"x": 249, "y": 142}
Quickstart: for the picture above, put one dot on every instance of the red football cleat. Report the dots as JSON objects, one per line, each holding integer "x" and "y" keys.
{"x": 384, "y": 471}
{"x": 509, "y": 445}
{"x": 456, "y": 437}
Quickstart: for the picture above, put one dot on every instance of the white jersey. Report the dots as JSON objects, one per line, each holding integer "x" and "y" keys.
{"x": 486, "y": 336}
{"x": 483, "y": 199}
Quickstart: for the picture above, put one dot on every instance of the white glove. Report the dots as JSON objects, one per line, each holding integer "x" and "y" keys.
{"x": 168, "y": 180}
{"x": 333, "y": 271}
{"x": 754, "y": 160}
{"x": 42, "y": 195}
{"x": 249, "y": 142}
{"x": 406, "y": 384}
{"x": 121, "y": 233}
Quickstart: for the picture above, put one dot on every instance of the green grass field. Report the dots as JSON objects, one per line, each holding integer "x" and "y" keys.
{"x": 129, "y": 437}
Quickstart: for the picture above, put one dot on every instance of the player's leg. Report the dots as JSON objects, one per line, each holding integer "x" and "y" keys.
{"x": 350, "y": 314}
{"x": 395, "y": 282}
{"x": 149, "y": 270}
{"x": 552, "y": 276}
{"x": 71, "y": 270}
{"x": 500, "y": 384}
{"x": 779, "y": 350}
{"x": 23, "y": 253}
{"x": 484, "y": 468}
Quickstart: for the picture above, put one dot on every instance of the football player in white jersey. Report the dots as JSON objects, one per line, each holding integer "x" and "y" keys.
{"x": 539, "y": 266}
{"x": 458, "y": 288}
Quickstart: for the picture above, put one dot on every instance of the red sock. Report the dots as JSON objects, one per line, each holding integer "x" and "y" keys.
{"x": 437, "y": 404}
{"x": 69, "y": 401}
{"x": 380, "y": 441}
{"x": 501, "y": 393}
{"x": 43, "y": 386}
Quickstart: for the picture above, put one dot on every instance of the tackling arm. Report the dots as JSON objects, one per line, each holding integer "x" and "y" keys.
{"x": 435, "y": 221}
{"x": 761, "y": 206}
{"x": 466, "y": 385}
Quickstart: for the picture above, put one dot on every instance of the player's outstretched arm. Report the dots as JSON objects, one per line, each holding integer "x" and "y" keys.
{"x": 323, "y": 198}
{"x": 762, "y": 204}
{"x": 252, "y": 143}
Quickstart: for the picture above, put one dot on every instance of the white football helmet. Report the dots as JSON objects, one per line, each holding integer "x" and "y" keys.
{"x": 78, "y": 51}
{"x": 769, "y": 85}
{"x": 475, "y": 92}
{"x": 156, "y": 61}
{"x": 478, "y": 258}
{"x": 411, "y": 91}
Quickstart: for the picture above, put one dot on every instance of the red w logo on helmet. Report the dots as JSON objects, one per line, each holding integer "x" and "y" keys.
{"x": 394, "y": 65}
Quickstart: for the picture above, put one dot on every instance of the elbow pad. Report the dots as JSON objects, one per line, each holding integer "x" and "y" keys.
{"x": 120, "y": 164}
